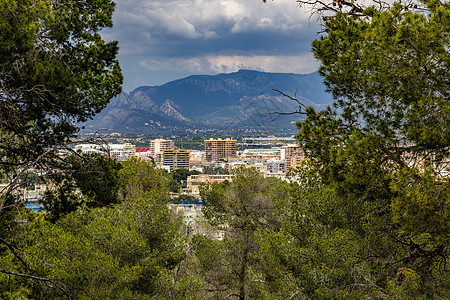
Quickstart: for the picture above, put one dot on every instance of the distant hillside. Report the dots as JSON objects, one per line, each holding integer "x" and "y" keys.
{"x": 244, "y": 98}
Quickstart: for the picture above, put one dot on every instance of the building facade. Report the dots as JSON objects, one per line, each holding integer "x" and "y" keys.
{"x": 175, "y": 158}
{"x": 120, "y": 152}
{"x": 275, "y": 167}
{"x": 157, "y": 147}
{"x": 194, "y": 181}
{"x": 217, "y": 149}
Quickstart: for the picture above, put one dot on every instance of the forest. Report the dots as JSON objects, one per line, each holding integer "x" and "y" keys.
{"x": 365, "y": 217}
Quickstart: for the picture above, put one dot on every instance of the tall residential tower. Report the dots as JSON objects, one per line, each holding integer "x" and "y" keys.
{"x": 217, "y": 149}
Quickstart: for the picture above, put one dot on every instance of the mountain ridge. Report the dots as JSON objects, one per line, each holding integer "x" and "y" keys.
{"x": 208, "y": 100}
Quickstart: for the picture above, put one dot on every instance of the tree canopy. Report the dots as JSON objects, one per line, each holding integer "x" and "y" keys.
{"x": 55, "y": 71}
{"x": 380, "y": 155}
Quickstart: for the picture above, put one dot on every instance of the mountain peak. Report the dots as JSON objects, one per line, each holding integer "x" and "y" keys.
{"x": 245, "y": 97}
{"x": 172, "y": 110}
{"x": 248, "y": 71}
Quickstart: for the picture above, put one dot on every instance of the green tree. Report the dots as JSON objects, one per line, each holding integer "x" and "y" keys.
{"x": 375, "y": 177}
{"x": 129, "y": 250}
{"x": 185, "y": 197}
{"x": 212, "y": 170}
{"x": 89, "y": 180}
{"x": 56, "y": 71}
{"x": 246, "y": 211}
{"x": 139, "y": 178}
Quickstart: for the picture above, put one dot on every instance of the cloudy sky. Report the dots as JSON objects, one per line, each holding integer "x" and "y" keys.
{"x": 163, "y": 40}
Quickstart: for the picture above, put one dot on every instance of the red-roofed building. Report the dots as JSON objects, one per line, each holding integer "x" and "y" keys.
{"x": 143, "y": 152}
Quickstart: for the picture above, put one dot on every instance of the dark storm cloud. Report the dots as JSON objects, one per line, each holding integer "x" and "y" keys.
{"x": 183, "y": 37}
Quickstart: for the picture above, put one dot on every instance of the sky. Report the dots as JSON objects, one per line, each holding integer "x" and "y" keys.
{"x": 164, "y": 40}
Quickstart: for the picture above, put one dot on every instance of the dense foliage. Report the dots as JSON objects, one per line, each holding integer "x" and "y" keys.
{"x": 365, "y": 217}
{"x": 55, "y": 71}
{"x": 126, "y": 251}
{"x": 247, "y": 210}
{"x": 380, "y": 157}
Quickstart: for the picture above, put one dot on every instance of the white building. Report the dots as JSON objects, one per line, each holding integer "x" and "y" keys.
{"x": 157, "y": 148}
{"x": 118, "y": 151}
{"x": 90, "y": 148}
{"x": 275, "y": 167}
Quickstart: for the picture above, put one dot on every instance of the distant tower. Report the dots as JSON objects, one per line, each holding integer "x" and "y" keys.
{"x": 217, "y": 149}
{"x": 175, "y": 158}
{"x": 157, "y": 147}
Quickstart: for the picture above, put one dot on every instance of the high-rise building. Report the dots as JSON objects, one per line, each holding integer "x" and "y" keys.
{"x": 175, "y": 158}
{"x": 157, "y": 147}
{"x": 292, "y": 155}
{"x": 294, "y": 160}
{"x": 217, "y": 149}
{"x": 289, "y": 150}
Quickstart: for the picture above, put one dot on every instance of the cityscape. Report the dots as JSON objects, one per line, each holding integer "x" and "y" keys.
{"x": 224, "y": 149}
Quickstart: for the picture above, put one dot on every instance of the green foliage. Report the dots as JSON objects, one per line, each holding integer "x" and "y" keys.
{"x": 184, "y": 197}
{"x": 211, "y": 170}
{"x": 404, "y": 285}
{"x": 246, "y": 210}
{"x": 391, "y": 69}
{"x": 373, "y": 181}
{"x": 140, "y": 178}
{"x": 126, "y": 250}
{"x": 97, "y": 177}
{"x": 55, "y": 69}
{"x": 118, "y": 253}
{"x": 421, "y": 205}
{"x": 92, "y": 182}
{"x": 179, "y": 177}
{"x": 8, "y": 221}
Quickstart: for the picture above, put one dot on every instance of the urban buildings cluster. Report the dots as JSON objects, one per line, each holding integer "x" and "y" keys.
{"x": 218, "y": 152}
{"x": 274, "y": 161}
{"x": 270, "y": 161}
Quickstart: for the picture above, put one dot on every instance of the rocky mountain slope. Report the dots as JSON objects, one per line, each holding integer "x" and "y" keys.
{"x": 241, "y": 99}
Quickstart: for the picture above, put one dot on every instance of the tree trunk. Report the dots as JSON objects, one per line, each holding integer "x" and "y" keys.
{"x": 242, "y": 273}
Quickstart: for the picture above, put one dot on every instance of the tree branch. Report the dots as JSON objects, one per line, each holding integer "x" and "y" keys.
{"x": 69, "y": 296}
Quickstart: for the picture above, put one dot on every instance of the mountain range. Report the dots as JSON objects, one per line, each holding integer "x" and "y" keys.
{"x": 244, "y": 99}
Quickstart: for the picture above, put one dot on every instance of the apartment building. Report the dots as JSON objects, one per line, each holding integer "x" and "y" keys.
{"x": 121, "y": 152}
{"x": 292, "y": 155}
{"x": 194, "y": 181}
{"x": 261, "y": 154}
{"x": 293, "y": 161}
{"x": 275, "y": 167}
{"x": 157, "y": 147}
{"x": 217, "y": 149}
{"x": 175, "y": 158}
{"x": 289, "y": 150}
{"x": 90, "y": 148}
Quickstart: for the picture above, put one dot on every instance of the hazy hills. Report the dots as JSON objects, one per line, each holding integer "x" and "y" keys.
{"x": 241, "y": 99}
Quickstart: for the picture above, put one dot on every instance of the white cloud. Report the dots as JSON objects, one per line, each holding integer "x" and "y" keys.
{"x": 199, "y": 19}
{"x": 225, "y": 64}
{"x": 161, "y": 40}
